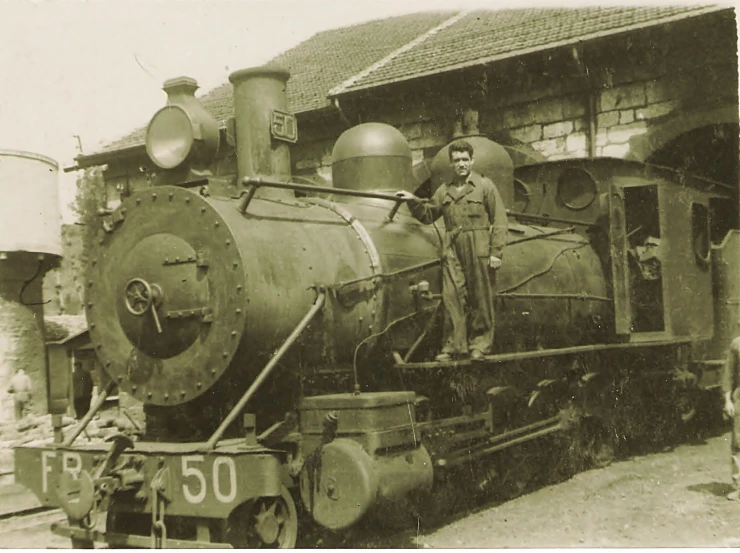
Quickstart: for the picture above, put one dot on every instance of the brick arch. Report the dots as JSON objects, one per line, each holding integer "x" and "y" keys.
{"x": 658, "y": 136}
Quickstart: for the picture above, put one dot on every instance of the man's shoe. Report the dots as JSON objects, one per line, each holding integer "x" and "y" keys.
{"x": 734, "y": 496}
{"x": 443, "y": 357}
{"x": 476, "y": 355}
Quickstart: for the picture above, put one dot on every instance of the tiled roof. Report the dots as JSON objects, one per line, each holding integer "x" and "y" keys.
{"x": 320, "y": 63}
{"x": 485, "y": 36}
{"x": 385, "y": 51}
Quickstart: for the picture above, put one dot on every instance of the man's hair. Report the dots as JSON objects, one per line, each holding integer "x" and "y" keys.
{"x": 461, "y": 146}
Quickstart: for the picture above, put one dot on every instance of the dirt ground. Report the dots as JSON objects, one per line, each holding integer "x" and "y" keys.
{"x": 674, "y": 498}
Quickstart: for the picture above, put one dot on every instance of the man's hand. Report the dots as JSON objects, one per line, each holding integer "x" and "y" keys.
{"x": 729, "y": 407}
{"x": 408, "y": 196}
{"x": 494, "y": 262}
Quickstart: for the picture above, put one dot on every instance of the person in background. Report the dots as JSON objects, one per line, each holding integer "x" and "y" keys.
{"x": 730, "y": 385}
{"x": 20, "y": 387}
{"x": 477, "y": 230}
{"x": 82, "y": 386}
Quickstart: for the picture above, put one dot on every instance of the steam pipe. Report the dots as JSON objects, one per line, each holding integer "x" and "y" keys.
{"x": 271, "y": 364}
{"x": 90, "y": 414}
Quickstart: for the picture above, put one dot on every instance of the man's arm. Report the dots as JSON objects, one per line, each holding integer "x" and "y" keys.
{"x": 498, "y": 219}
{"x": 729, "y": 375}
{"x": 425, "y": 211}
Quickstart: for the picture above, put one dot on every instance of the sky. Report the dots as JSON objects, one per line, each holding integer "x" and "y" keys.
{"x": 94, "y": 69}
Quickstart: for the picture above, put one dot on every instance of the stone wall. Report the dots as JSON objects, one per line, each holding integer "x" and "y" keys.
{"x": 63, "y": 286}
{"x": 629, "y": 84}
{"x": 21, "y": 331}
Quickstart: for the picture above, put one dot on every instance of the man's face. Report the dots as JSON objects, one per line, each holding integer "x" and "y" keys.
{"x": 461, "y": 163}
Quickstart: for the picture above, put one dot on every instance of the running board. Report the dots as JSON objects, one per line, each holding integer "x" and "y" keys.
{"x": 538, "y": 354}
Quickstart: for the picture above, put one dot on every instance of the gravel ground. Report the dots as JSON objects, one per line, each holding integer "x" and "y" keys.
{"x": 674, "y": 498}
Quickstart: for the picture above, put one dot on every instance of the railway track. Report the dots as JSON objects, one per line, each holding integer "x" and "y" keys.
{"x": 16, "y": 501}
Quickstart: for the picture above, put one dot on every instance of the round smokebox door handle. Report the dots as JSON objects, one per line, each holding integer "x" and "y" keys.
{"x": 139, "y": 296}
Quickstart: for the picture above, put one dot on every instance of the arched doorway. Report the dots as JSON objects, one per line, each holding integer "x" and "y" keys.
{"x": 710, "y": 151}
{"x": 703, "y": 143}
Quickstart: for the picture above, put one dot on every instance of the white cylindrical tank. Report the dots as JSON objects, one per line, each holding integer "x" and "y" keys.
{"x": 30, "y": 219}
{"x": 30, "y": 244}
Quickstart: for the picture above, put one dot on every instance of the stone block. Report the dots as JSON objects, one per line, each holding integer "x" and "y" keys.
{"x": 601, "y": 138}
{"x": 658, "y": 90}
{"x": 547, "y": 110}
{"x": 576, "y": 142}
{"x": 527, "y": 134}
{"x": 608, "y": 119}
{"x": 626, "y": 116}
{"x": 622, "y": 133}
{"x": 411, "y": 130}
{"x": 550, "y": 147}
{"x": 517, "y": 116}
{"x": 574, "y": 107}
{"x": 554, "y": 130}
{"x": 427, "y": 142}
{"x": 621, "y": 97}
{"x": 579, "y": 124}
{"x": 433, "y": 129}
{"x": 654, "y": 111}
{"x": 615, "y": 150}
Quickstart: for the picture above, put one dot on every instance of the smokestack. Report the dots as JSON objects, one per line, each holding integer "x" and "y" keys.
{"x": 257, "y": 92}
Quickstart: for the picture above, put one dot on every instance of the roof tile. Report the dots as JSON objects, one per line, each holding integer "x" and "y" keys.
{"x": 378, "y": 53}
{"x": 320, "y": 63}
{"x": 484, "y": 36}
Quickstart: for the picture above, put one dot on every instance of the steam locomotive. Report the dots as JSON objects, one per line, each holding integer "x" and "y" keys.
{"x": 281, "y": 335}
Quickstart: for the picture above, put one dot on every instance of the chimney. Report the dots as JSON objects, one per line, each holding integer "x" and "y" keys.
{"x": 257, "y": 92}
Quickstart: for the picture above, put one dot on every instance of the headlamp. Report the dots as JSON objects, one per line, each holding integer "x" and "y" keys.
{"x": 182, "y": 131}
{"x": 170, "y": 137}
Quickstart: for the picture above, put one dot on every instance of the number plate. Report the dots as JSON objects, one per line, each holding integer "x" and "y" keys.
{"x": 284, "y": 126}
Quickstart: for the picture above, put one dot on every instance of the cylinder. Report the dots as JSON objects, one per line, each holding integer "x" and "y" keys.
{"x": 257, "y": 93}
{"x": 30, "y": 219}
{"x": 30, "y": 241}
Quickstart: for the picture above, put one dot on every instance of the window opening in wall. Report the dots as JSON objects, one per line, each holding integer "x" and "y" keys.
{"x": 723, "y": 217}
{"x": 645, "y": 269}
{"x": 700, "y": 233}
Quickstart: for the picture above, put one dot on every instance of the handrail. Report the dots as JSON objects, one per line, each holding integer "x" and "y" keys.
{"x": 255, "y": 183}
{"x": 289, "y": 341}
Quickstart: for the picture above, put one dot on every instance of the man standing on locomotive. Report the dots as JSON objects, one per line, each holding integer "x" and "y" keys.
{"x": 477, "y": 229}
{"x": 731, "y": 389}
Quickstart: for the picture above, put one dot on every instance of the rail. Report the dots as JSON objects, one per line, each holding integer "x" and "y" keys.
{"x": 271, "y": 364}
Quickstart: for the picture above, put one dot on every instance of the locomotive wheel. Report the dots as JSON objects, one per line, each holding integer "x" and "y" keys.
{"x": 270, "y": 522}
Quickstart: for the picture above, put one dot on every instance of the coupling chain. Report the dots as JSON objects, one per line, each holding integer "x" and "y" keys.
{"x": 159, "y": 529}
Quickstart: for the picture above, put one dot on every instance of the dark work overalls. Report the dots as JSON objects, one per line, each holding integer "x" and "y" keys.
{"x": 475, "y": 220}
{"x": 731, "y": 384}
